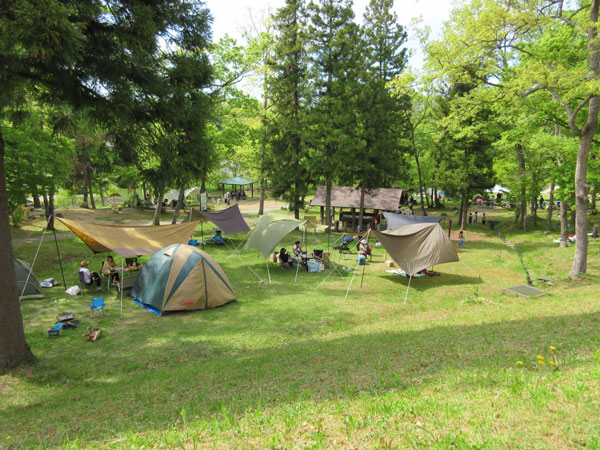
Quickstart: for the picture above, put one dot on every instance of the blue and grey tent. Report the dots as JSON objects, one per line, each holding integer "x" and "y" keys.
{"x": 399, "y": 220}
{"x": 182, "y": 277}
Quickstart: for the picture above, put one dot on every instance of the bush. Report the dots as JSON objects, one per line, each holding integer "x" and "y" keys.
{"x": 18, "y": 215}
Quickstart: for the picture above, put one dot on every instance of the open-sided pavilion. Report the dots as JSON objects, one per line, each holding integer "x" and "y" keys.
{"x": 347, "y": 199}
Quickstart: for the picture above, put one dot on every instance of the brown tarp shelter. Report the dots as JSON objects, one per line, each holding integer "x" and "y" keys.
{"x": 229, "y": 220}
{"x": 418, "y": 246}
{"x": 130, "y": 240}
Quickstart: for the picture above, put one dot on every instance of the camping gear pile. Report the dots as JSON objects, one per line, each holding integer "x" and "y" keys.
{"x": 65, "y": 321}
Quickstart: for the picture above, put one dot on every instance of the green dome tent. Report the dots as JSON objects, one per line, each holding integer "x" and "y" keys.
{"x": 182, "y": 277}
{"x": 32, "y": 290}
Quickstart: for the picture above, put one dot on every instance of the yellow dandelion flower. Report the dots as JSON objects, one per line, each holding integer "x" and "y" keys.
{"x": 540, "y": 357}
{"x": 520, "y": 363}
{"x": 8, "y": 437}
{"x": 552, "y": 347}
{"x": 542, "y": 363}
{"x": 552, "y": 363}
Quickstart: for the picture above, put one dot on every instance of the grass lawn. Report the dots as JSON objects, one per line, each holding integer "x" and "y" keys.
{"x": 287, "y": 366}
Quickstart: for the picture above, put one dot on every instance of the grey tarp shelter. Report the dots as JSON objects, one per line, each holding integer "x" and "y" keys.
{"x": 418, "y": 246}
{"x": 268, "y": 232}
{"x": 27, "y": 285}
{"x": 399, "y": 220}
{"x": 229, "y": 220}
{"x": 237, "y": 181}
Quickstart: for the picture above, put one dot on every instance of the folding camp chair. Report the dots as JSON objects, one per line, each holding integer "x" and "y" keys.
{"x": 97, "y": 305}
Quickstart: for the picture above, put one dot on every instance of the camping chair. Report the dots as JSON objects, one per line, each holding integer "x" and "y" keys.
{"x": 97, "y": 305}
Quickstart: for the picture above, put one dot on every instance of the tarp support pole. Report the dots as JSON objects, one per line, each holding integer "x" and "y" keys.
{"x": 121, "y": 288}
{"x": 268, "y": 272}
{"x": 306, "y": 246}
{"x": 407, "y": 288}
{"x": 62, "y": 272}
{"x": 364, "y": 267}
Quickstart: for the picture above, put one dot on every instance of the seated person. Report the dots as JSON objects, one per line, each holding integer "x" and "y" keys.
{"x": 110, "y": 268}
{"x": 297, "y": 249}
{"x": 285, "y": 259}
{"x": 88, "y": 278}
{"x": 218, "y": 238}
{"x": 363, "y": 251}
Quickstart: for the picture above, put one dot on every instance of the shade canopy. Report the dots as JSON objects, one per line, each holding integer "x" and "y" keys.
{"x": 269, "y": 231}
{"x": 229, "y": 220}
{"x": 129, "y": 240}
{"x": 173, "y": 194}
{"x": 236, "y": 181}
{"x": 399, "y": 220}
{"x": 418, "y": 246}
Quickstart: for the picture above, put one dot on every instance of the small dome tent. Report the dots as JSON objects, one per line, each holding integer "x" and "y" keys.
{"x": 182, "y": 277}
{"x": 25, "y": 275}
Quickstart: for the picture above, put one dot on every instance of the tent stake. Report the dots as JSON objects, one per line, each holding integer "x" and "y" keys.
{"x": 407, "y": 288}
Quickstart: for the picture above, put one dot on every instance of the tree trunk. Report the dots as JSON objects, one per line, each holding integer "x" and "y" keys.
{"x": 564, "y": 226}
{"x": 180, "y": 199}
{"x": 36, "y": 198}
{"x": 462, "y": 214}
{"x": 263, "y": 151}
{"x": 361, "y": 210}
{"x": 573, "y": 219}
{"x": 13, "y": 347}
{"x": 550, "y": 207}
{"x": 46, "y": 205}
{"x": 51, "y": 213}
{"x": 585, "y": 141}
{"x": 92, "y": 202}
{"x": 145, "y": 192}
{"x": 328, "y": 203}
{"x": 420, "y": 179}
{"x": 296, "y": 200}
{"x": 157, "y": 211}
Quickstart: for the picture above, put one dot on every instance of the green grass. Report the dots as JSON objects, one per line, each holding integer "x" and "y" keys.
{"x": 290, "y": 367}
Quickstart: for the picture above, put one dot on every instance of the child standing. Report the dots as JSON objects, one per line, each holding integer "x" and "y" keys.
{"x": 461, "y": 240}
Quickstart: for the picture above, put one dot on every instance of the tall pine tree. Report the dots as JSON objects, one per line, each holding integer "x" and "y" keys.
{"x": 287, "y": 88}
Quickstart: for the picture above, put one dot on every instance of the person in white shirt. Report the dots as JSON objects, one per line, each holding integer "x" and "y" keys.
{"x": 87, "y": 277}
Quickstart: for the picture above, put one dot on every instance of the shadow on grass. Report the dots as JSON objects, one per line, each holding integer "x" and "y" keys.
{"x": 427, "y": 282}
{"x": 145, "y": 386}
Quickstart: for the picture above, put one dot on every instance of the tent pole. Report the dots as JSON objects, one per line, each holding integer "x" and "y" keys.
{"x": 364, "y": 267}
{"x": 268, "y": 272}
{"x": 407, "y": 288}
{"x": 121, "y": 288}
{"x": 59, "y": 260}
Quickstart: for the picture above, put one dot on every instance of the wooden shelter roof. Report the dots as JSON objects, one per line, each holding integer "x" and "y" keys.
{"x": 386, "y": 199}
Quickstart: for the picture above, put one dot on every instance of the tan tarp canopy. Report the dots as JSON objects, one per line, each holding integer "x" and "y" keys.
{"x": 418, "y": 246}
{"x": 130, "y": 240}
